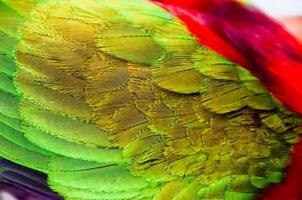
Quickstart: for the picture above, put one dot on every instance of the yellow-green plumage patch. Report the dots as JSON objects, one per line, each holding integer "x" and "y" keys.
{"x": 116, "y": 100}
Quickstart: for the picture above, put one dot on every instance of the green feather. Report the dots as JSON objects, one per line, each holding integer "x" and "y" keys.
{"x": 73, "y": 150}
{"x": 117, "y": 100}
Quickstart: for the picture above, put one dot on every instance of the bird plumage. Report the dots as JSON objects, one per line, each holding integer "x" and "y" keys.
{"x": 117, "y": 100}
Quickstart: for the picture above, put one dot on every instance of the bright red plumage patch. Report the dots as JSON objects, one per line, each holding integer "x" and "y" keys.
{"x": 250, "y": 38}
{"x": 290, "y": 188}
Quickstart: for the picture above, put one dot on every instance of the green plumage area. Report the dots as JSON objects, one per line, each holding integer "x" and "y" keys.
{"x": 14, "y": 145}
{"x": 115, "y": 100}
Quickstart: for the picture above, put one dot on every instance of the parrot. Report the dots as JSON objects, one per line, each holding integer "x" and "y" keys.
{"x": 146, "y": 100}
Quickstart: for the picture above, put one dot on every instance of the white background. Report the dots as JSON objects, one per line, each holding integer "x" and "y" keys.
{"x": 279, "y": 8}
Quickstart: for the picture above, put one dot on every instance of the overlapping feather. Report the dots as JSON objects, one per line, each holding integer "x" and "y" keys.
{"x": 116, "y": 100}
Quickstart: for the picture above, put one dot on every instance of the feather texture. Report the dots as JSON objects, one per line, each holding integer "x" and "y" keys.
{"x": 117, "y": 100}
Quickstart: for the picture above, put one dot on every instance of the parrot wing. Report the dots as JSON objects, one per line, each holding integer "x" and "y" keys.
{"x": 117, "y": 100}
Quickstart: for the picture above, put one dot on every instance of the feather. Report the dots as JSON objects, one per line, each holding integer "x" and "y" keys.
{"x": 73, "y": 150}
{"x": 267, "y": 57}
{"x": 19, "y": 155}
{"x": 117, "y": 100}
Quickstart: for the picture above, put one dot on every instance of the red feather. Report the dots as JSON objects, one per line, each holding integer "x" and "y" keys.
{"x": 253, "y": 40}
{"x": 290, "y": 188}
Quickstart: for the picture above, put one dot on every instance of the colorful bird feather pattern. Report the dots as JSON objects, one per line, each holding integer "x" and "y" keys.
{"x": 117, "y": 100}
